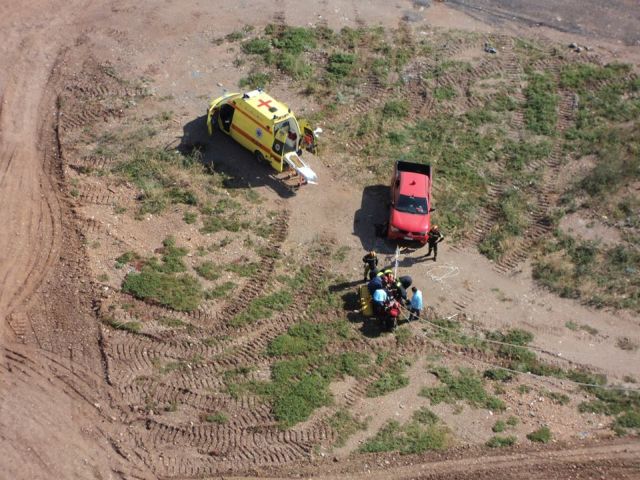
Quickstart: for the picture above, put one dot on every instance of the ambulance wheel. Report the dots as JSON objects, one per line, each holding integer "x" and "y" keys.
{"x": 259, "y": 156}
{"x": 214, "y": 122}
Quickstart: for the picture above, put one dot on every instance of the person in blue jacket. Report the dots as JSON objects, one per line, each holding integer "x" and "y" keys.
{"x": 416, "y": 304}
{"x": 380, "y": 297}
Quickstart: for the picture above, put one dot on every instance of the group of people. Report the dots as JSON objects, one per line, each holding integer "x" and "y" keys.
{"x": 388, "y": 293}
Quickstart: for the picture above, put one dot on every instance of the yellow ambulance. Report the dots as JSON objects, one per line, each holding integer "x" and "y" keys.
{"x": 266, "y": 127}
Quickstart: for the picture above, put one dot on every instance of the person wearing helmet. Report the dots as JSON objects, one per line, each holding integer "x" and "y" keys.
{"x": 370, "y": 261}
{"x": 434, "y": 237}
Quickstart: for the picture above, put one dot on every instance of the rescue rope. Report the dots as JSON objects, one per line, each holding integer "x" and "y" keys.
{"x": 547, "y": 379}
{"x": 404, "y": 310}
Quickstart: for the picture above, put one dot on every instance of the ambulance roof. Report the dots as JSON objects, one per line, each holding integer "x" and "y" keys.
{"x": 265, "y": 104}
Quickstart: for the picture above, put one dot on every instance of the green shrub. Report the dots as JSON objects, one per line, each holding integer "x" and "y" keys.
{"x": 263, "y": 307}
{"x": 540, "y": 105}
{"x": 179, "y": 292}
{"x": 542, "y": 435}
{"x": 295, "y": 401}
{"x": 403, "y": 335}
{"x": 583, "y": 269}
{"x": 391, "y": 380}
{"x": 294, "y": 66}
{"x": 352, "y": 364}
{"x": 341, "y": 64}
{"x": 345, "y": 425}
{"x": 407, "y": 439}
{"x": 497, "y": 441}
{"x": 132, "y": 327}
{"x": 499, "y": 426}
{"x": 190, "y": 218}
{"x": 557, "y": 397}
{"x": 578, "y": 76}
{"x": 628, "y": 420}
{"x": 219, "y": 291}
{"x": 216, "y": 224}
{"x": 256, "y": 46}
{"x": 617, "y": 163}
{"x": 153, "y": 171}
{"x": 510, "y": 222}
{"x": 522, "y": 389}
{"x": 466, "y": 386}
{"x": 126, "y": 258}
{"x": 242, "y": 269}
{"x": 396, "y": 108}
{"x": 397, "y": 138}
{"x": 446, "y": 92}
{"x": 171, "y": 322}
{"x": 255, "y": 80}
{"x": 522, "y": 153}
{"x": 172, "y": 258}
{"x": 300, "y": 339}
{"x": 498, "y": 374}
{"x": 295, "y": 40}
{"x": 218, "y": 417}
{"x": 514, "y": 336}
{"x": 479, "y": 117}
{"x": 182, "y": 195}
{"x": 503, "y": 103}
{"x": 611, "y": 401}
{"x": 450, "y": 333}
{"x": 425, "y": 416}
{"x": 208, "y": 271}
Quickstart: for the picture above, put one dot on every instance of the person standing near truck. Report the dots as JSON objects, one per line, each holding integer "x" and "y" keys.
{"x": 434, "y": 238}
{"x": 370, "y": 261}
{"x": 415, "y": 307}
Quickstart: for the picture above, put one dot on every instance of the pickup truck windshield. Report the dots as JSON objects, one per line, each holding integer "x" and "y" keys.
{"x": 408, "y": 204}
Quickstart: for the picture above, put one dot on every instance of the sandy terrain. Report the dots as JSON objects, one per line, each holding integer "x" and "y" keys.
{"x": 70, "y": 396}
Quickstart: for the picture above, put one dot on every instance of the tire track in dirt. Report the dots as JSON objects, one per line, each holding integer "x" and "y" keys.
{"x": 41, "y": 366}
{"x": 219, "y": 447}
{"x": 539, "y": 221}
{"x": 31, "y": 214}
{"x": 150, "y": 371}
{"x": 204, "y": 318}
{"x": 513, "y": 73}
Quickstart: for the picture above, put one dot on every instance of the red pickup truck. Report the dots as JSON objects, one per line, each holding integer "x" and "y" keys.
{"x": 410, "y": 212}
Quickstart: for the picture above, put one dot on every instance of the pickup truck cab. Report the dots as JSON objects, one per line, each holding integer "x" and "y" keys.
{"x": 410, "y": 209}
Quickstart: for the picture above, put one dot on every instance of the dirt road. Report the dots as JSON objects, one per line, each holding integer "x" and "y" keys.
{"x": 618, "y": 459}
{"x": 61, "y": 414}
{"x": 48, "y": 422}
{"x": 31, "y": 213}
{"x": 616, "y": 20}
